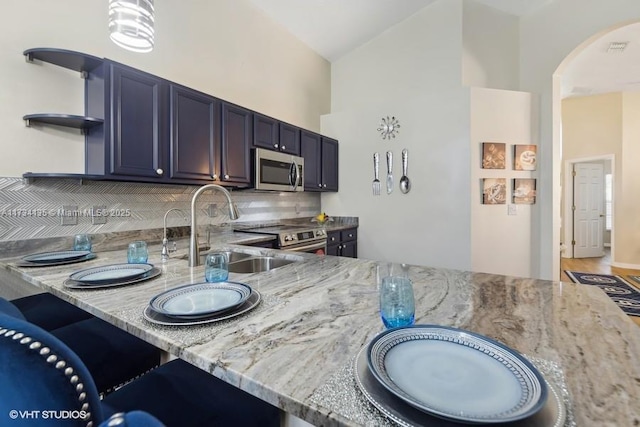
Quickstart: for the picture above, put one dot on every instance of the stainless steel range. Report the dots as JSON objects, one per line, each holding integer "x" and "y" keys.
{"x": 295, "y": 238}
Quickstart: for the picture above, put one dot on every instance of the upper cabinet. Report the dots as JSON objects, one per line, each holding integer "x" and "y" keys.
{"x": 140, "y": 127}
{"x": 275, "y": 135}
{"x": 320, "y": 162}
{"x": 137, "y": 123}
{"x": 237, "y": 132}
{"x": 194, "y": 149}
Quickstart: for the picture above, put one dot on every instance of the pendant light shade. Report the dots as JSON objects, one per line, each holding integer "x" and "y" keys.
{"x": 131, "y": 24}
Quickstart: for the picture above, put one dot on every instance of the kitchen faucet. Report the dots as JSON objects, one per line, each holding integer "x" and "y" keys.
{"x": 165, "y": 250}
{"x": 194, "y": 255}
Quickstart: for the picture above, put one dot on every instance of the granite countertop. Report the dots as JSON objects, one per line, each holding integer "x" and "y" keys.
{"x": 316, "y": 314}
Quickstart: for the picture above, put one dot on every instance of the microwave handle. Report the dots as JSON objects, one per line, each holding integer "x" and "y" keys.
{"x": 294, "y": 184}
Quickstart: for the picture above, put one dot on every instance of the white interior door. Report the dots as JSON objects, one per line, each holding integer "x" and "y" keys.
{"x": 588, "y": 211}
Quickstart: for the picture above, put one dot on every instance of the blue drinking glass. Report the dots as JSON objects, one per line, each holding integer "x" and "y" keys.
{"x": 82, "y": 242}
{"x": 137, "y": 253}
{"x": 216, "y": 267}
{"x": 397, "y": 304}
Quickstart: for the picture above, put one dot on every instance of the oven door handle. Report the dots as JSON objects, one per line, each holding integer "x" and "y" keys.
{"x": 293, "y": 178}
{"x": 311, "y": 246}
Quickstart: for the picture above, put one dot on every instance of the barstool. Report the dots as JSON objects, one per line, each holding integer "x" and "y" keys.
{"x": 40, "y": 371}
{"x": 112, "y": 355}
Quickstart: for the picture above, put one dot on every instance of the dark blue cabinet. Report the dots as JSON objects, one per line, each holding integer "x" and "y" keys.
{"x": 320, "y": 162}
{"x": 275, "y": 135}
{"x": 266, "y": 132}
{"x": 132, "y": 144}
{"x": 343, "y": 243}
{"x": 237, "y": 134}
{"x": 137, "y": 123}
{"x": 140, "y": 127}
{"x": 194, "y": 148}
{"x": 289, "y": 139}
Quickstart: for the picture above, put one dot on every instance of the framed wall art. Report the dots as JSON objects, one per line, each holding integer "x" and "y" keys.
{"x": 494, "y": 191}
{"x": 524, "y": 191}
{"x": 493, "y": 155}
{"x": 524, "y": 157}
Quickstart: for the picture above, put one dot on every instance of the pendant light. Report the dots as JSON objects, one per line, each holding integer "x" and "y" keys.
{"x": 131, "y": 24}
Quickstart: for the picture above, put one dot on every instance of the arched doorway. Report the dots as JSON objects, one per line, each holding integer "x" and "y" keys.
{"x": 597, "y": 66}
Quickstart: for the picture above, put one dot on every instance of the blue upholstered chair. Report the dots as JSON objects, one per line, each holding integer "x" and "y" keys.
{"x": 41, "y": 377}
{"x": 48, "y": 311}
{"x": 112, "y": 355}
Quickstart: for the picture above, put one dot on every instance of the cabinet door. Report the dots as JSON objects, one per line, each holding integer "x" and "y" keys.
{"x": 333, "y": 250}
{"x": 311, "y": 151}
{"x": 193, "y": 150}
{"x": 237, "y": 132}
{"x": 265, "y": 132}
{"x": 289, "y": 139}
{"x": 329, "y": 164}
{"x": 138, "y": 129}
{"x": 349, "y": 249}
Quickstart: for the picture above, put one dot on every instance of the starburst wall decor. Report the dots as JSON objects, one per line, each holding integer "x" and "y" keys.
{"x": 389, "y": 127}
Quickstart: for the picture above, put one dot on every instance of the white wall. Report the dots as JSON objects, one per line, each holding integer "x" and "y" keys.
{"x": 413, "y": 72}
{"x": 225, "y": 48}
{"x": 500, "y": 243}
{"x": 490, "y": 56}
{"x": 547, "y": 37}
{"x": 627, "y": 235}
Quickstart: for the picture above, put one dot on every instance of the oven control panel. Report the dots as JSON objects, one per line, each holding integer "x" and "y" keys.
{"x": 294, "y": 237}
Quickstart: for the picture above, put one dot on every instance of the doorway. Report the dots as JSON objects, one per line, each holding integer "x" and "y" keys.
{"x": 588, "y": 207}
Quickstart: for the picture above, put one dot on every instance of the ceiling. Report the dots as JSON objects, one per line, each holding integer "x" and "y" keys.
{"x": 335, "y": 27}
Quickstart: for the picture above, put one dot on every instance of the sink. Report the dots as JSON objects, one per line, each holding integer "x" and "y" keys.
{"x": 231, "y": 256}
{"x": 257, "y": 264}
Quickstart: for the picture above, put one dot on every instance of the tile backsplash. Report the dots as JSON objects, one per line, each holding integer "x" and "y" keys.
{"x": 38, "y": 209}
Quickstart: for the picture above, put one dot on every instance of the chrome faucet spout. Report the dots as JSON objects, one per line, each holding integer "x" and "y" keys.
{"x": 165, "y": 250}
{"x": 194, "y": 255}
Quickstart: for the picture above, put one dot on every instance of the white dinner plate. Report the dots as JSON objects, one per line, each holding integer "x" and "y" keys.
{"x": 200, "y": 299}
{"x": 160, "y": 319}
{"x": 58, "y": 256}
{"x": 553, "y": 414}
{"x": 456, "y": 374}
{"x": 110, "y": 273}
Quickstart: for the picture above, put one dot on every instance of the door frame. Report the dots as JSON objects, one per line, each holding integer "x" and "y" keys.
{"x": 567, "y": 217}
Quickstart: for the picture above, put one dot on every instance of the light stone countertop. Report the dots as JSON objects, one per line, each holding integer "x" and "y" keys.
{"x": 316, "y": 314}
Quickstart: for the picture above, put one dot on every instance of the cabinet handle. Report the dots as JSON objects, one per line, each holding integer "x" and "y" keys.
{"x": 350, "y": 235}
{"x": 324, "y": 185}
{"x": 283, "y": 148}
{"x": 214, "y": 176}
{"x": 275, "y": 145}
{"x": 159, "y": 171}
{"x": 226, "y": 176}
{"x": 333, "y": 239}
{"x": 320, "y": 185}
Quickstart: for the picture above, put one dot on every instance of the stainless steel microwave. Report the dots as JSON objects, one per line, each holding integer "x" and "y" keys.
{"x": 278, "y": 171}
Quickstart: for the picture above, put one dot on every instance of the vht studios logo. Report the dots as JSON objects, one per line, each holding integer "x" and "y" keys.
{"x": 47, "y": 415}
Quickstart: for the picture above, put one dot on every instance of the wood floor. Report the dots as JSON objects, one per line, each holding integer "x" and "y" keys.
{"x": 597, "y": 265}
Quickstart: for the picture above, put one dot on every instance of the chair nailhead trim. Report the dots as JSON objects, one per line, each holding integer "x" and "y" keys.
{"x": 45, "y": 351}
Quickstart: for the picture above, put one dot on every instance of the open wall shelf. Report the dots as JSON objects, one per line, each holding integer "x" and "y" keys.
{"x": 67, "y": 120}
{"x": 69, "y": 59}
